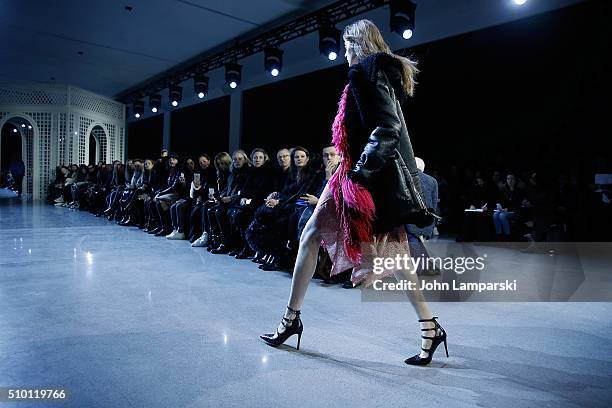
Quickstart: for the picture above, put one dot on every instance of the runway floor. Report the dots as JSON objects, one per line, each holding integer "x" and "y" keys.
{"x": 120, "y": 318}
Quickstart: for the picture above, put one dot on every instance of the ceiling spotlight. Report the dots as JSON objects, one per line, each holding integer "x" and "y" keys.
{"x": 329, "y": 41}
{"x": 14, "y": 130}
{"x": 233, "y": 73}
{"x": 273, "y": 60}
{"x": 520, "y": 2}
{"x": 200, "y": 85}
{"x": 30, "y": 127}
{"x": 401, "y": 17}
{"x": 155, "y": 102}
{"x": 176, "y": 94}
{"x": 138, "y": 109}
{"x": 23, "y": 125}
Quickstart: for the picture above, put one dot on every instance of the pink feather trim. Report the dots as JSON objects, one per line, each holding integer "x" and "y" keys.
{"x": 354, "y": 204}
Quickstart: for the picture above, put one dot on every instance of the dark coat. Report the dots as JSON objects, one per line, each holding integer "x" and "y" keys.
{"x": 259, "y": 183}
{"x": 376, "y": 133}
{"x": 235, "y": 183}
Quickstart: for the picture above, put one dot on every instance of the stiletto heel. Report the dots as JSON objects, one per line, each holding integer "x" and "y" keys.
{"x": 292, "y": 326}
{"x": 439, "y": 337}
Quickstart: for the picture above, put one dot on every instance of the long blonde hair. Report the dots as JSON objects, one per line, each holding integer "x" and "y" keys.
{"x": 365, "y": 39}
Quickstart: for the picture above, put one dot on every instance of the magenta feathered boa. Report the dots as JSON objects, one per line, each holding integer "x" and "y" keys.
{"x": 354, "y": 204}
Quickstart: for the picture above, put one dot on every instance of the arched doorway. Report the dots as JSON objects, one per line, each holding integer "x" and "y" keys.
{"x": 17, "y": 152}
{"x": 97, "y": 145}
{"x": 93, "y": 153}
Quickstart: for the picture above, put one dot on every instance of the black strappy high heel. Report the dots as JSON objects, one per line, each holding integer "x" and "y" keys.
{"x": 439, "y": 337}
{"x": 295, "y": 327}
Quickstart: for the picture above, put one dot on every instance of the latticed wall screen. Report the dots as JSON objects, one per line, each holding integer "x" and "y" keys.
{"x": 84, "y": 124}
{"x": 55, "y": 114}
{"x": 61, "y": 139}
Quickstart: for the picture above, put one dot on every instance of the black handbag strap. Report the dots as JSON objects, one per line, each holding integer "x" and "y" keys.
{"x": 414, "y": 190}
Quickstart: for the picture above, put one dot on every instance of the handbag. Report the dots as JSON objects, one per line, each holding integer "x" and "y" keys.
{"x": 413, "y": 209}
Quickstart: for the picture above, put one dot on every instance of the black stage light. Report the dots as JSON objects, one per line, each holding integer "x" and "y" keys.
{"x": 401, "y": 17}
{"x": 273, "y": 60}
{"x": 329, "y": 42}
{"x": 200, "y": 85}
{"x": 176, "y": 94}
{"x": 155, "y": 102}
{"x": 138, "y": 108}
{"x": 233, "y": 74}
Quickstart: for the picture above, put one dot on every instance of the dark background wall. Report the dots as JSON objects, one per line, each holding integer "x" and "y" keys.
{"x": 530, "y": 93}
{"x": 201, "y": 128}
{"x": 510, "y": 94}
{"x": 298, "y": 111}
{"x": 145, "y": 137}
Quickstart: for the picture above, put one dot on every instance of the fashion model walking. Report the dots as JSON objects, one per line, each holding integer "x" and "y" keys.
{"x": 363, "y": 210}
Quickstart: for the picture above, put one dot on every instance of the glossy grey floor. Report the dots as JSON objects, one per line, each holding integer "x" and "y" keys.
{"x": 123, "y": 319}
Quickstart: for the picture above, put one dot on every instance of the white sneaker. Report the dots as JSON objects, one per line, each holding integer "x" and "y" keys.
{"x": 176, "y": 235}
{"x": 170, "y": 235}
{"x": 201, "y": 242}
{"x": 59, "y": 199}
{"x": 59, "y": 204}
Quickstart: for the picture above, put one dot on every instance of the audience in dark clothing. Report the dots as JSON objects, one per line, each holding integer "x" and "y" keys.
{"x": 255, "y": 208}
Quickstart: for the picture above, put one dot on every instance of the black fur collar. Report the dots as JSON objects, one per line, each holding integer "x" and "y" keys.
{"x": 369, "y": 67}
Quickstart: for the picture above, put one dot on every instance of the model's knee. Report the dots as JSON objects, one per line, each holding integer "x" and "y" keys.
{"x": 310, "y": 236}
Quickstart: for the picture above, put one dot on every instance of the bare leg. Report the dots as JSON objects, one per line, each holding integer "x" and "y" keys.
{"x": 303, "y": 270}
{"x": 421, "y": 307}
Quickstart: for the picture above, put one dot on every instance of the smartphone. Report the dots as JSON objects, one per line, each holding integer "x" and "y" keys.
{"x": 196, "y": 178}
{"x": 211, "y": 192}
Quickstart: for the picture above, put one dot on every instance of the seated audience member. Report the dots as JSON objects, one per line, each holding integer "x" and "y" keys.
{"x": 130, "y": 193}
{"x": 96, "y": 193}
{"x": 268, "y": 234}
{"x": 257, "y": 186}
{"x": 117, "y": 184}
{"x": 204, "y": 176}
{"x": 80, "y": 182}
{"x": 182, "y": 207}
{"x": 282, "y": 169}
{"x": 507, "y": 205}
{"x": 206, "y": 195}
{"x": 537, "y": 212}
{"x": 331, "y": 161}
{"x": 151, "y": 184}
{"x": 57, "y": 187}
{"x": 168, "y": 195}
{"x": 218, "y": 214}
{"x": 66, "y": 190}
{"x": 476, "y": 220}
